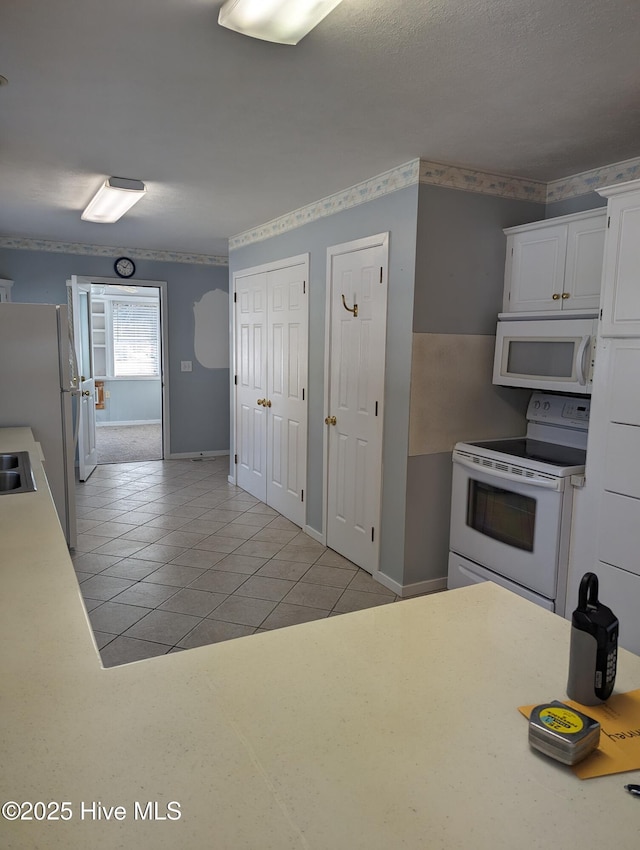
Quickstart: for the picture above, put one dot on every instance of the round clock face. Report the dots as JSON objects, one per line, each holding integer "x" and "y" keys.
{"x": 124, "y": 267}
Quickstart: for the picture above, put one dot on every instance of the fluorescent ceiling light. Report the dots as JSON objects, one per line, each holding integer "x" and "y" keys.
{"x": 282, "y": 21}
{"x": 113, "y": 199}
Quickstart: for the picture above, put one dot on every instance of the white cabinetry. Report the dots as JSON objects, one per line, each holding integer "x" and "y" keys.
{"x": 621, "y": 298}
{"x": 5, "y": 289}
{"x": 606, "y": 533}
{"x": 556, "y": 264}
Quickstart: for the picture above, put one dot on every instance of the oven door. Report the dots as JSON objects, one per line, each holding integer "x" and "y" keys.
{"x": 509, "y": 525}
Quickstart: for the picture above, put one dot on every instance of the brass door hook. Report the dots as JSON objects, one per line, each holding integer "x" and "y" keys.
{"x": 353, "y": 309}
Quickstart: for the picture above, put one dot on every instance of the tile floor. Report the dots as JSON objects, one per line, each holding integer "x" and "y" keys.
{"x": 171, "y": 556}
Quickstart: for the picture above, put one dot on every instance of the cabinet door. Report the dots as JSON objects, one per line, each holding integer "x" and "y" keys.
{"x": 583, "y": 272}
{"x": 535, "y": 269}
{"x": 621, "y": 274}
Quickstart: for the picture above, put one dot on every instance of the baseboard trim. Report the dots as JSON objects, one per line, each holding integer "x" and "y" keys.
{"x": 129, "y": 422}
{"x": 417, "y": 588}
{"x": 195, "y": 455}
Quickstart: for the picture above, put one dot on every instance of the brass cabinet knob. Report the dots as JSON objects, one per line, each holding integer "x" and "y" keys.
{"x": 330, "y": 420}
{"x": 86, "y": 392}
{"x": 566, "y": 295}
{"x": 556, "y": 296}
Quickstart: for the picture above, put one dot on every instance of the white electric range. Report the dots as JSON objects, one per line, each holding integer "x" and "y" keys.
{"x": 512, "y": 501}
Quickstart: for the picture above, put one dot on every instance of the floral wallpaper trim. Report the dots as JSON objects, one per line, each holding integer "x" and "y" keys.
{"x": 389, "y": 181}
{"x": 110, "y": 251}
{"x": 441, "y": 174}
{"x": 589, "y": 181}
{"x": 415, "y": 171}
{"x": 482, "y": 182}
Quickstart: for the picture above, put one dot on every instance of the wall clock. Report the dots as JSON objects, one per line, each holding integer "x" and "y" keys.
{"x": 124, "y": 267}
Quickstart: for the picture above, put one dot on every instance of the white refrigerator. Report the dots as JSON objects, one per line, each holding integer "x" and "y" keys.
{"x": 37, "y": 383}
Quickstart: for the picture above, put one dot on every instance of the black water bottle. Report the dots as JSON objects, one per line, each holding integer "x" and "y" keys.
{"x": 594, "y": 647}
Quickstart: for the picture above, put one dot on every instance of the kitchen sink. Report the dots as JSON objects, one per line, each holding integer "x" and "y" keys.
{"x": 9, "y": 461}
{"x": 15, "y": 473}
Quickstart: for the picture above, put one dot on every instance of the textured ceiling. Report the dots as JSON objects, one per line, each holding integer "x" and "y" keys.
{"x": 229, "y": 132}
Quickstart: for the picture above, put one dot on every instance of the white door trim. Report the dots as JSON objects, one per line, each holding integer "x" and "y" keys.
{"x": 377, "y": 240}
{"x": 161, "y": 285}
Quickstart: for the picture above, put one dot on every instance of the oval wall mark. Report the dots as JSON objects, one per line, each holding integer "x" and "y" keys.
{"x": 211, "y": 335}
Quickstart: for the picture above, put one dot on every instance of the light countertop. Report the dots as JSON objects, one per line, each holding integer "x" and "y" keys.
{"x": 393, "y": 727}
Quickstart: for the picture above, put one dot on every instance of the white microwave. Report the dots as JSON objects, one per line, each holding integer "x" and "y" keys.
{"x": 546, "y": 354}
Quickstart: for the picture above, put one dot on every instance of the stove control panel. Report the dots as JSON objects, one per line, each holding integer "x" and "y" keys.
{"x": 564, "y": 410}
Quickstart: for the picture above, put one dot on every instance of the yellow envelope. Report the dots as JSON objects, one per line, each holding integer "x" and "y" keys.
{"x": 619, "y": 747}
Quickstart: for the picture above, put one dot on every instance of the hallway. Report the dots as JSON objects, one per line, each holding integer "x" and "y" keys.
{"x": 171, "y": 556}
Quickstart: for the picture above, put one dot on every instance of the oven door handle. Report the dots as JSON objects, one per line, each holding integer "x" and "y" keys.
{"x": 508, "y": 476}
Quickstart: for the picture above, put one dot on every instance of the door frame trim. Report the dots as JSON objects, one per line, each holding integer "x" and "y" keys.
{"x": 263, "y": 268}
{"x": 374, "y": 241}
{"x": 161, "y": 285}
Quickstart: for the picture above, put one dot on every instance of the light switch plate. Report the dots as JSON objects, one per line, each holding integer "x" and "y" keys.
{"x": 186, "y": 366}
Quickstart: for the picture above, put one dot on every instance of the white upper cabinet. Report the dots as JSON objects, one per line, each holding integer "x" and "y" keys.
{"x": 621, "y": 295}
{"x": 555, "y": 264}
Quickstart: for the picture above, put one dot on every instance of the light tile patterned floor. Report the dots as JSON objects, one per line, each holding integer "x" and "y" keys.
{"x": 171, "y": 556}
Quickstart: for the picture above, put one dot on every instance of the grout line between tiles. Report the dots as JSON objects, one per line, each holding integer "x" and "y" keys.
{"x": 153, "y": 492}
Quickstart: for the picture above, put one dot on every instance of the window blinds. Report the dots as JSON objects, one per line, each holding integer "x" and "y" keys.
{"x": 136, "y": 339}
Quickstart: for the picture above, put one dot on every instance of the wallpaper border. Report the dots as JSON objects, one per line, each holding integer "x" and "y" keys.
{"x": 110, "y": 251}
{"x": 589, "y": 181}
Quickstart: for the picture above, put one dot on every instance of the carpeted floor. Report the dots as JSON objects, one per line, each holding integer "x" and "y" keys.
{"x": 129, "y": 443}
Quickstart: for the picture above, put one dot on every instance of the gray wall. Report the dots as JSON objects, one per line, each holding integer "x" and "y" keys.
{"x": 458, "y": 291}
{"x": 131, "y": 400}
{"x": 199, "y": 400}
{"x": 395, "y": 213}
{"x": 591, "y": 201}
{"x": 460, "y": 258}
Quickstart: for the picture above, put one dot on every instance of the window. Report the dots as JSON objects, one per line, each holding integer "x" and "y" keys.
{"x": 136, "y": 350}
{"x": 126, "y": 336}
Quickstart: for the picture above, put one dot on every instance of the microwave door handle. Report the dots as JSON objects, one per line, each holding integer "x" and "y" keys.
{"x": 496, "y": 473}
{"x": 582, "y": 350}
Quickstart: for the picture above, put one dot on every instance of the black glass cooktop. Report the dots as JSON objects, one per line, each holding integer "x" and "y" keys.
{"x": 527, "y": 449}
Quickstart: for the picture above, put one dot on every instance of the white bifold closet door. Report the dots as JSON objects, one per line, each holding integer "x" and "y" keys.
{"x": 271, "y": 328}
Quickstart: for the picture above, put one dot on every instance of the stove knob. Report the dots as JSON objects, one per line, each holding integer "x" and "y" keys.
{"x": 546, "y": 405}
{"x": 536, "y": 405}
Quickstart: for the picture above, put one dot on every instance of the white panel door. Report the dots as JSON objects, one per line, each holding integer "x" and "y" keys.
{"x": 271, "y": 326}
{"x": 251, "y": 389}
{"x": 357, "y": 291}
{"x": 287, "y": 379}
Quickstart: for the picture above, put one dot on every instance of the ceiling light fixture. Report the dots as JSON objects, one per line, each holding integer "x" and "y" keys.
{"x": 113, "y": 199}
{"x": 282, "y": 21}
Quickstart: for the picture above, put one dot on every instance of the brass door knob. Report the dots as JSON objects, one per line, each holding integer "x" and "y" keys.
{"x": 566, "y": 295}
{"x": 262, "y": 402}
{"x": 267, "y": 403}
{"x": 330, "y": 420}
{"x": 556, "y": 296}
